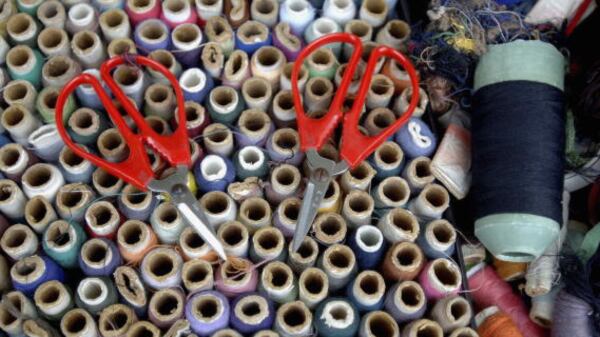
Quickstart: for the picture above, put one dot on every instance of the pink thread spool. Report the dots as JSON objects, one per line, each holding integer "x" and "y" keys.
{"x": 140, "y": 10}
{"x": 232, "y": 282}
{"x": 440, "y": 278}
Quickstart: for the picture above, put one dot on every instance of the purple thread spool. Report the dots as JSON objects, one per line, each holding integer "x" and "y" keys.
{"x": 207, "y": 312}
{"x": 251, "y": 313}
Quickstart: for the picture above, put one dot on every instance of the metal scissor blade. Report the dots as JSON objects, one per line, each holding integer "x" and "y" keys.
{"x": 313, "y": 195}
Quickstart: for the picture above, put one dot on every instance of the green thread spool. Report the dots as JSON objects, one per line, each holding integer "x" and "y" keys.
{"x": 251, "y": 161}
{"x": 29, "y": 7}
{"x": 225, "y": 105}
{"x": 95, "y": 293}
{"x": 25, "y": 63}
{"x": 85, "y": 126}
{"x": 322, "y": 63}
{"x": 46, "y": 103}
{"x": 62, "y": 242}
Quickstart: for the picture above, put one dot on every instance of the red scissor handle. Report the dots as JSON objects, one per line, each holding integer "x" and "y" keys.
{"x": 136, "y": 168}
{"x": 355, "y": 146}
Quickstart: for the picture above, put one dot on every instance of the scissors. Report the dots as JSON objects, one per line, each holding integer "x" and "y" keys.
{"x": 136, "y": 168}
{"x": 354, "y": 145}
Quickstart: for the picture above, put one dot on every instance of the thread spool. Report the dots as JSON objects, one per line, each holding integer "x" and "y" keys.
{"x": 19, "y": 122}
{"x": 357, "y": 208}
{"x": 464, "y": 332}
{"x": 161, "y": 268}
{"x": 208, "y": 9}
{"x": 38, "y": 327}
{"x": 196, "y": 118}
{"x": 39, "y": 213}
{"x": 339, "y": 263}
{"x": 105, "y": 183}
{"x": 12, "y": 199}
{"x": 255, "y": 213}
{"x": 380, "y": 92}
{"x": 62, "y": 242}
{"x": 416, "y": 138}
{"x": 178, "y": 12}
{"x": 115, "y": 320}
{"x": 11, "y": 320}
{"x": 218, "y": 139}
{"x": 374, "y": 12}
{"x": 159, "y": 101}
{"x": 451, "y": 313}
{"x": 366, "y": 292}
{"x": 284, "y": 182}
{"x": 402, "y": 102}
{"x": 249, "y": 314}
{"x": 187, "y": 39}
{"x": 110, "y": 143}
{"x": 406, "y": 301}
{"x": 235, "y": 238}
{"x": 80, "y": 17}
{"x": 166, "y": 59}
{"x": 86, "y": 94}
{"x": 322, "y": 63}
{"x": 257, "y": 93}
{"x": 236, "y": 12}
{"x": 167, "y": 223}
{"x": 492, "y": 322}
{"x": 284, "y": 146}
{"x": 72, "y": 200}
{"x": 22, "y": 29}
{"x": 225, "y": 105}
{"x": 305, "y": 256}
{"x": 254, "y": 127}
{"x": 19, "y": 241}
{"x": 53, "y": 300}
{"x": 321, "y": 27}
{"x": 401, "y": 82}
{"x": 52, "y": 14}
{"x": 431, "y": 202}
{"x": 277, "y": 283}
{"x": 422, "y": 327}
{"x": 78, "y": 322}
{"x": 214, "y": 173}
{"x": 403, "y": 262}
{"x": 207, "y": 312}
{"x": 438, "y": 239}
{"x": 251, "y": 161}
{"x": 195, "y": 84}
{"x": 330, "y": 228}
{"x": 25, "y": 63}
{"x": 361, "y": 28}
{"x": 20, "y": 92}
{"x": 392, "y": 192}
{"x": 135, "y": 295}
{"x": 440, "y": 278}
{"x": 318, "y": 94}
{"x": 335, "y": 317}
{"x": 192, "y": 245}
{"x": 313, "y": 287}
{"x": 387, "y": 160}
{"x": 368, "y": 243}
{"x": 151, "y": 35}
{"x": 143, "y": 328}
{"x": 88, "y": 49}
{"x": 286, "y": 216}
{"x": 121, "y": 46}
{"x": 46, "y": 142}
{"x": 95, "y": 293}
{"x": 28, "y": 273}
{"x": 542, "y": 308}
{"x": 286, "y": 75}
{"x": 418, "y": 174}
{"x": 166, "y": 307}
{"x": 135, "y": 239}
{"x": 293, "y": 319}
{"x": 378, "y": 120}
{"x": 237, "y": 69}
{"x": 219, "y": 31}
{"x": 358, "y": 178}
{"x": 298, "y": 14}
{"x": 99, "y": 257}
{"x": 132, "y": 81}
{"x": 46, "y": 104}
{"x": 268, "y": 62}
{"x": 340, "y": 11}
{"x": 252, "y": 35}
{"x": 86, "y": 127}
{"x": 74, "y": 167}
{"x": 42, "y": 180}
{"x": 235, "y": 277}
{"x": 114, "y": 24}
{"x": 378, "y": 323}
{"x": 197, "y": 275}
{"x": 135, "y": 204}
{"x": 218, "y": 207}
{"x": 213, "y": 59}
{"x": 268, "y": 244}
{"x": 354, "y": 82}
{"x": 283, "y": 109}
{"x": 394, "y": 33}
{"x": 265, "y": 11}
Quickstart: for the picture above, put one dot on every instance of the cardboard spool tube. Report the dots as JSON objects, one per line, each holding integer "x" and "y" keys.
{"x": 379, "y": 323}
{"x": 286, "y": 140}
{"x": 224, "y": 98}
{"x": 167, "y": 215}
{"x": 159, "y": 94}
{"x": 20, "y": 26}
{"x": 305, "y": 256}
{"x": 164, "y": 57}
{"x": 112, "y": 146}
{"x": 388, "y": 155}
{"x": 206, "y": 308}
{"x": 380, "y": 91}
{"x": 39, "y": 213}
{"x": 143, "y": 329}
{"x": 360, "y": 28}
{"x": 161, "y": 264}
{"x": 217, "y": 28}
{"x": 268, "y": 241}
{"x": 255, "y": 212}
{"x": 263, "y": 333}
{"x": 130, "y": 286}
{"x": 268, "y": 59}
{"x": 59, "y": 234}
{"x": 236, "y": 66}
{"x": 20, "y": 58}
{"x": 166, "y": 306}
{"x": 285, "y": 179}
{"x": 257, "y": 92}
{"x": 113, "y": 19}
{"x": 265, "y": 11}
{"x": 13, "y": 157}
{"x": 358, "y": 207}
{"x": 393, "y": 191}
{"x": 28, "y": 268}
{"x": 77, "y": 322}
{"x": 127, "y": 75}
{"x": 378, "y": 120}
{"x": 251, "y": 157}
{"x": 251, "y": 309}
{"x": 436, "y": 196}
{"x": 197, "y": 274}
{"x": 294, "y": 318}
{"x": 121, "y": 46}
{"x": 395, "y": 33}
{"x": 92, "y": 290}
{"x": 95, "y": 252}
{"x": 115, "y": 320}
{"x": 330, "y": 228}
{"x": 339, "y": 259}
{"x": 445, "y": 275}
{"x": 369, "y": 286}
{"x": 59, "y": 68}
{"x": 18, "y": 91}
{"x": 254, "y": 123}
{"x": 217, "y": 135}
{"x": 84, "y": 42}
{"x": 133, "y": 198}
{"x": 252, "y": 31}
{"x": 105, "y": 183}
{"x": 405, "y": 222}
{"x": 403, "y": 261}
{"x": 283, "y": 107}
{"x": 49, "y": 98}
{"x": 230, "y": 274}
{"x": 133, "y": 235}
{"x": 403, "y": 101}
{"x": 186, "y": 34}
{"x": 18, "y": 240}
{"x": 409, "y": 296}
{"x": 332, "y": 199}
{"x": 357, "y": 178}
{"x": 9, "y": 319}
{"x": 277, "y": 276}
{"x": 215, "y": 203}
{"x": 423, "y": 328}
{"x": 140, "y": 6}
{"x": 313, "y": 286}
{"x": 70, "y": 160}
{"x": 234, "y": 237}
{"x": 158, "y": 124}
{"x": 288, "y": 211}
{"x": 153, "y": 31}
{"x": 84, "y": 122}
{"x": 14, "y": 117}
{"x": 452, "y": 312}
{"x": 321, "y": 59}
{"x": 418, "y": 173}
{"x": 318, "y": 94}
{"x": 441, "y": 234}
{"x": 286, "y": 76}
{"x": 52, "y": 14}
{"x": 72, "y": 198}
{"x": 356, "y": 77}
{"x": 195, "y": 114}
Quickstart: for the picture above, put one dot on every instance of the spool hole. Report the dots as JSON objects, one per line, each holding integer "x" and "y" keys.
{"x": 10, "y": 156}
{"x": 306, "y": 250}
{"x": 71, "y": 199}
{"x": 279, "y": 276}
{"x": 410, "y": 296}
{"x": 115, "y": 321}
{"x": 175, "y": 5}
{"x": 445, "y": 274}
{"x": 58, "y": 233}
{"x": 458, "y": 309}
{"x": 186, "y": 34}
{"x": 153, "y": 31}
{"x": 359, "y": 203}
{"x": 264, "y": 6}
{"x": 14, "y": 115}
{"x": 442, "y": 233}
{"x": 132, "y": 233}
{"x": 321, "y": 57}
{"x": 218, "y": 135}
{"x": 380, "y": 326}
{"x": 257, "y": 89}
{"x": 126, "y": 75}
{"x": 285, "y": 176}
{"x": 268, "y": 240}
{"x": 51, "y": 38}
{"x": 375, "y": 7}
{"x": 237, "y": 60}
{"x": 339, "y": 313}
{"x": 370, "y": 238}
{"x": 161, "y": 265}
{"x": 207, "y": 307}
{"x": 436, "y": 197}
{"x": 102, "y": 214}
{"x": 167, "y": 304}
{"x": 339, "y": 259}
{"x": 85, "y": 40}
{"x": 314, "y": 283}
{"x": 71, "y": 158}
{"x": 92, "y": 291}
{"x": 251, "y": 309}
{"x": 403, "y": 221}
{"x": 359, "y": 28}
{"x": 76, "y": 323}
{"x": 223, "y": 96}
{"x": 422, "y": 169}
{"x": 394, "y": 192}
{"x": 285, "y": 101}
{"x": 113, "y": 19}
{"x": 105, "y": 179}
{"x": 406, "y": 256}
{"x": 427, "y": 331}
{"x": 388, "y": 154}
{"x": 194, "y": 241}
{"x": 96, "y": 252}
{"x": 233, "y": 235}
{"x": 291, "y": 211}
{"x": 268, "y": 56}
{"x": 50, "y": 99}
{"x": 6, "y": 192}
{"x": 19, "y": 24}
{"x": 38, "y": 211}
{"x": 252, "y": 32}
{"x": 294, "y": 316}
{"x": 286, "y": 140}
{"x": 369, "y": 284}
{"x": 50, "y": 11}
{"x": 169, "y": 215}
{"x": 19, "y": 57}
{"x": 398, "y": 29}
{"x": 330, "y": 226}
{"x": 163, "y": 57}
{"x": 218, "y": 203}
{"x": 197, "y": 273}
{"x": 17, "y": 238}
{"x": 16, "y": 91}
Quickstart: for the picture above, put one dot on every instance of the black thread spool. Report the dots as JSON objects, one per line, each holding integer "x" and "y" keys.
{"x": 518, "y": 148}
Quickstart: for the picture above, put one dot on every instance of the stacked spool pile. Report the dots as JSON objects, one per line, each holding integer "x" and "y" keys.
{"x": 84, "y": 254}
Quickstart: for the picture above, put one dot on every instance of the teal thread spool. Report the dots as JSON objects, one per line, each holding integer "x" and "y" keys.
{"x": 322, "y": 63}
{"x": 336, "y": 317}
{"x": 62, "y": 242}
{"x": 46, "y": 103}
{"x": 29, "y": 7}
{"x": 95, "y": 293}
{"x": 278, "y": 283}
{"x": 225, "y": 105}
{"x": 25, "y": 63}
{"x": 251, "y": 161}
{"x": 85, "y": 126}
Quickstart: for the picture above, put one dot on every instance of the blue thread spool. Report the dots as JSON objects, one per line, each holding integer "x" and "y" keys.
{"x": 252, "y": 35}
{"x": 87, "y": 96}
{"x": 367, "y": 291}
{"x": 195, "y": 85}
{"x": 214, "y": 173}
{"x": 406, "y": 301}
{"x": 29, "y": 273}
{"x": 416, "y": 139}
{"x": 369, "y": 246}
{"x": 437, "y": 239}
{"x": 251, "y": 313}
{"x": 336, "y": 317}
{"x": 387, "y": 160}
{"x": 152, "y": 34}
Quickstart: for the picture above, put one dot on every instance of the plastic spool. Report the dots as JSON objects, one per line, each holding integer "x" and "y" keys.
{"x": 293, "y": 319}
{"x": 278, "y": 283}
{"x": 235, "y": 238}
{"x": 166, "y": 306}
{"x": 403, "y": 262}
{"x": 378, "y": 323}
{"x": 268, "y": 244}
{"x": 197, "y": 275}
{"x": 115, "y": 320}
{"x": 219, "y": 208}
